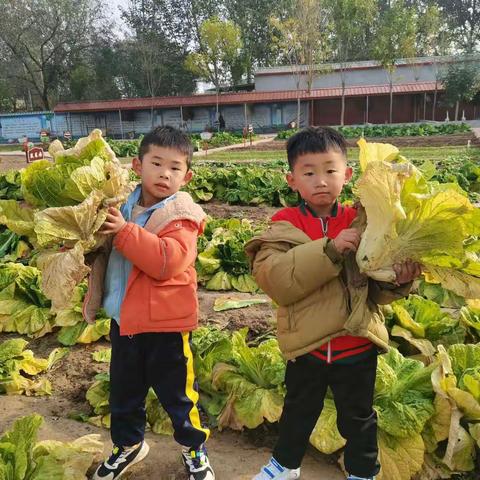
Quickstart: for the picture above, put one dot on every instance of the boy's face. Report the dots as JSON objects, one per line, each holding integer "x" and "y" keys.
{"x": 163, "y": 172}
{"x": 319, "y": 178}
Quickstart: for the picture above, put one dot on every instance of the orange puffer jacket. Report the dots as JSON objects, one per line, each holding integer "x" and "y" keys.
{"x": 161, "y": 291}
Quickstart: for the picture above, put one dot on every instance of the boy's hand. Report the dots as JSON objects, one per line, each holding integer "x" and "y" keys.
{"x": 347, "y": 239}
{"x": 407, "y": 271}
{"x": 114, "y": 221}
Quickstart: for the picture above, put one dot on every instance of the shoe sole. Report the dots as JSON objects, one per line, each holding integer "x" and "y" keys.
{"x": 188, "y": 472}
{"x": 141, "y": 455}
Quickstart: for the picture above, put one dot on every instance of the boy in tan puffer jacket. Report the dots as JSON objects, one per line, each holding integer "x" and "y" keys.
{"x": 328, "y": 324}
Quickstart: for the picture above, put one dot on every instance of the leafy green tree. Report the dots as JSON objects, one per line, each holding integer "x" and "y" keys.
{"x": 219, "y": 52}
{"x": 302, "y": 41}
{"x": 395, "y": 39}
{"x": 179, "y": 21}
{"x": 156, "y": 67}
{"x": 463, "y": 17}
{"x": 352, "y": 20}
{"x": 433, "y": 36}
{"x": 14, "y": 93}
{"x": 157, "y": 48}
{"x": 251, "y": 16}
{"x": 462, "y": 83}
{"x": 44, "y": 36}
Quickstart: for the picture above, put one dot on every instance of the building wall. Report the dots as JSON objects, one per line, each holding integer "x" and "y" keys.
{"x": 406, "y": 109}
{"x": 15, "y": 126}
{"x": 263, "y": 117}
{"x": 367, "y": 76}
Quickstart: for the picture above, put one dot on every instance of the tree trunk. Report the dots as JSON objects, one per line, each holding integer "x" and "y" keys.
{"x": 391, "y": 101}
{"x": 342, "y": 114}
{"x": 457, "y": 106}
{"x": 298, "y": 112}
{"x": 434, "y": 108}
{"x": 217, "y": 109}
{"x": 45, "y": 101}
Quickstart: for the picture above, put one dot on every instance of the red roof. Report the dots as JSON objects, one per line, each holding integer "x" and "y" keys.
{"x": 240, "y": 98}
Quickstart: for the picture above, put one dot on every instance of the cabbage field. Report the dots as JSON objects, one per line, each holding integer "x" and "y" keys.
{"x": 51, "y": 362}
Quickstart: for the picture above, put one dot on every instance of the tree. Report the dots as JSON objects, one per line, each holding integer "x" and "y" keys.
{"x": 395, "y": 38}
{"x": 14, "y": 93}
{"x": 433, "y": 38}
{"x": 432, "y": 35}
{"x": 45, "y": 35}
{"x": 352, "y": 20}
{"x": 179, "y": 21}
{"x": 219, "y": 51}
{"x": 251, "y": 16}
{"x": 462, "y": 83}
{"x": 302, "y": 41}
{"x": 463, "y": 17}
{"x": 156, "y": 49}
{"x": 156, "y": 67}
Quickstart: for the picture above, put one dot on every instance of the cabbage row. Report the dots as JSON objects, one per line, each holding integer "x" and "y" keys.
{"x": 22, "y": 457}
{"x": 428, "y": 414}
{"x": 409, "y": 130}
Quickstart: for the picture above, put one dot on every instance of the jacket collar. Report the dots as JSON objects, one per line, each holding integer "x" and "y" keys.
{"x": 133, "y": 199}
{"x": 304, "y": 208}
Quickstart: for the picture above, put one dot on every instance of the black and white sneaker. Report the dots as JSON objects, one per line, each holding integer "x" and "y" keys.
{"x": 197, "y": 464}
{"x": 120, "y": 460}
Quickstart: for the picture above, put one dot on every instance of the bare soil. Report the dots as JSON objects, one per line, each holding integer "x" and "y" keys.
{"x": 258, "y": 214}
{"x": 460, "y": 139}
{"x": 12, "y": 162}
{"x": 234, "y": 455}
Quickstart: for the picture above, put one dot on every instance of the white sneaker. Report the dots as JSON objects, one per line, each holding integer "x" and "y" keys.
{"x": 120, "y": 460}
{"x": 274, "y": 471}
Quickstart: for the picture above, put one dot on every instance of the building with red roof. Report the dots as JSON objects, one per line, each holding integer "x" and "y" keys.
{"x": 418, "y": 95}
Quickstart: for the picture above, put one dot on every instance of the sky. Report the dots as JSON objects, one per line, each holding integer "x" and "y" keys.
{"x": 113, "y": 6}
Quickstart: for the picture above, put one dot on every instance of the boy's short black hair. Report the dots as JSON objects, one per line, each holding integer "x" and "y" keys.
{"x": 169, "y": 137}
{"x": 314, "y": 140}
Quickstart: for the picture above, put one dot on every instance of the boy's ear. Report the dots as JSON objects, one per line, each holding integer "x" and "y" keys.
{"x": 188, "y": 177}
{"x": 291, "y": 181}
{"x": 137, "y": 166}
{"x": 348, "y": 174}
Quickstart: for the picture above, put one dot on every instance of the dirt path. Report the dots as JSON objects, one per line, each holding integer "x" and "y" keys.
{"x": 235, "y": 455}
{"x": 12, "y": 162}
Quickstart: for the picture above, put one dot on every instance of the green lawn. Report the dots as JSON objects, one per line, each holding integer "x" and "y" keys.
{"x": 11, "y": 148}
{"x": 419, "y": 154}
{"x": 415, "y": 154}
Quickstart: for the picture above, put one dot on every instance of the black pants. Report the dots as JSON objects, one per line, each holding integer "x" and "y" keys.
{"x": 307, "y": 379}
{"x": 163, "y": 361}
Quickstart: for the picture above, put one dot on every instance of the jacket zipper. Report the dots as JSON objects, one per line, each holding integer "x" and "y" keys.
{"x": 324, "y": 224}
{"x": 329, "y": 352}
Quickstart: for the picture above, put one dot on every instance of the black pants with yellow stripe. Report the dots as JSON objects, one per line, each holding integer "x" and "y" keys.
{"x": 163, "y": 361}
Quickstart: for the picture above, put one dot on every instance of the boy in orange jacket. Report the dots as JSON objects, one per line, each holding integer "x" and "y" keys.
{"x": 149, "y": 291}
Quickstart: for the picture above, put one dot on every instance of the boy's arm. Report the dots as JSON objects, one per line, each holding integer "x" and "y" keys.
{"x": 383, "y": 293}
{"x": 159, "y": 257}
{"x": 289, "y": 274}
{"x": 405, "y": 272}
